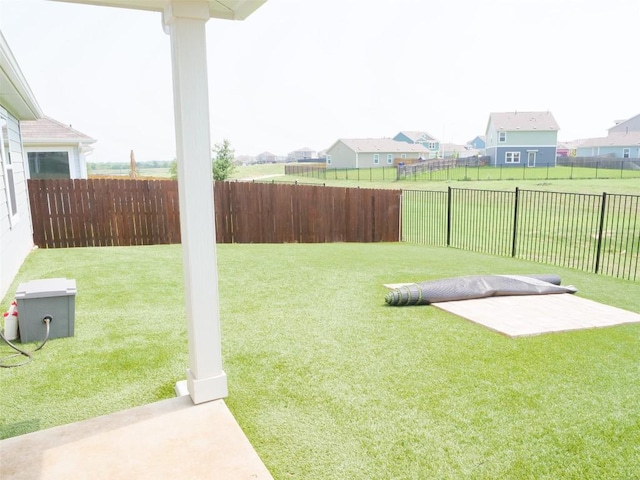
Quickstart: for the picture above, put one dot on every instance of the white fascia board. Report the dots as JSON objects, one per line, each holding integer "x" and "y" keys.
{"x": 15, "y": 93}
{"x": 57, "y": 141}
{"x": 225, "y": 9}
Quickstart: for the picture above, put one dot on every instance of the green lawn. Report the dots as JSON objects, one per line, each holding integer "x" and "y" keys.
{"x": 330, "y": 383}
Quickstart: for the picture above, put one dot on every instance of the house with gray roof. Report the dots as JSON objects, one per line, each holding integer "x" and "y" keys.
{"x": 625, "y": 126}
{"x": 454, "y": 150}
{"x": 622, "y": 141}
{"x": 266, "y": 157}
{"x": 522, "y": 139}
{"x": 301, "y": 154}
{"x": 55, "y": 150}
{"x": 615, "y": 145}
{"x": 424, "y": 138}
{"x": 372, "y": 152}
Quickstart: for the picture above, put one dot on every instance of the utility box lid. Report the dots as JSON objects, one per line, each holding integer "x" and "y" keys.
{"x": 50, "y": 287}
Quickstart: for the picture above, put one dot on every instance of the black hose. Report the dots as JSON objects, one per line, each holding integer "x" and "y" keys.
{"x": 47, "y": 320}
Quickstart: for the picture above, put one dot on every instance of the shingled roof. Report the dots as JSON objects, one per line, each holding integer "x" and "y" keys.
{"x": 415, "y": 135}
{"x": 613, "y": 140}
{"x": 49, "y": 131}
{"x": 386, "y": 145}
{"x": 525, "y": 121}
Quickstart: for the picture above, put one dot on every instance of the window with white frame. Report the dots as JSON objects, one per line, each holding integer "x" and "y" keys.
{"x": 49, "y": 165}
{"x": 376, "y": 158}
{"x": 7, "y": 172}
{"x": 328, "y": 159}
{"x": 626, "y": 153}
{"x": 431, "y": 145}
{"x": 403, "y": 155}
{"x": 512, "y": 157}
{"x": 502, "y": 137}
{"x": 389, "y": 159}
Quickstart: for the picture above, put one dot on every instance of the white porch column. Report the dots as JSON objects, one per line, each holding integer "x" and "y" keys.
{"x": 185, "y": 22}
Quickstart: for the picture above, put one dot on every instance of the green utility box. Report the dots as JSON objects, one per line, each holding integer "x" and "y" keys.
{"x": 54, "y": 297}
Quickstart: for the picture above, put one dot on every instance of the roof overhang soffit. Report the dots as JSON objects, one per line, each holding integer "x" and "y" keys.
{"x": 225, "y": 9}
{"x": 15, "y": 94}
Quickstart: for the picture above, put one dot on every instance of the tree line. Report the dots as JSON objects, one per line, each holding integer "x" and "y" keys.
{"x": 221, "y": 164}
{"x": 126, "y": 165}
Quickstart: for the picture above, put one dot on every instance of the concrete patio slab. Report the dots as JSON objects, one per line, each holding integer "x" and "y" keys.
{"x": 523, "y": 315}
{"x": 169, "y": 439}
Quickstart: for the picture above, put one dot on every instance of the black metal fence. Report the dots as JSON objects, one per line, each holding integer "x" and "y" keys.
{"x": 477, "y": 168}
{"x": 595, "y": 233}
{"x": 600, "y": 163}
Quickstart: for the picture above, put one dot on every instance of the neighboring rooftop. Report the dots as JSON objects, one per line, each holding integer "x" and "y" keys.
{"x": 304, "y": 149}
{"x": 526, "y": 121}
{"x": 613, "y": 140}
{"x": 629, "y": 125}
{"x": 414, "y": 136}
{"x": 47, "y": 130}
{"x": 386, "y": 145}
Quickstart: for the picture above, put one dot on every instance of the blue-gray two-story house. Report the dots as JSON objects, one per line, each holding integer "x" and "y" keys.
{"x": 430, "y": 142}
{"x": 522, "y": 138}
{"x": 478, "y": 143}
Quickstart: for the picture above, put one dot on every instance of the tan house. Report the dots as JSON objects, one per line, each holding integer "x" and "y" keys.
{"x": 372, "y": 152}
{"x": 55, "y": 150}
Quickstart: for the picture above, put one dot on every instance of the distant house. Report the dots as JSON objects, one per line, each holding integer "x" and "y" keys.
{"x": 429, "y": 141}
{"x": 266, "y": 157}
{"x": 623, "y": 141}
{"x": 614, "y": 145}
{"x": 304, "y": 153}
{"x": 55, "y": 150}
{"x": 563, "y": 150}
{"x": 568, "y": 148}
{"x": 244, "y": 160}
{"x": 453, "y": 150}
{"x": 522, "y": 138}
{"x": 626, "y": 126}
{"x": 478, "y": 142}
{"x": 372, "y": 152}
{"x": 17, "y": 103}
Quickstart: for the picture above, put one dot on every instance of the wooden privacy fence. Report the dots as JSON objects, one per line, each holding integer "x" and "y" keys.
{"x": 122, "y": 212}
{"x": 103, "y": 212}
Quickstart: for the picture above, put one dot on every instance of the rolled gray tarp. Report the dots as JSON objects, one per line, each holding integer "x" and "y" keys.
{"x": 475, "y": 286}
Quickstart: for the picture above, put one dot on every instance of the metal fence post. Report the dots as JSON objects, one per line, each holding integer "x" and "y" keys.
{"x": 600, "y": 231}
{"x": 448, "y": 216}
{"x": 515, "y": 223}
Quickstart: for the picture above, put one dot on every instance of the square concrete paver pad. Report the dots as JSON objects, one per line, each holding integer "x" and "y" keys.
{"x": 536, "y": 314}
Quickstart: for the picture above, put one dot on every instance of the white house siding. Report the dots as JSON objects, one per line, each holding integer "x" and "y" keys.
{"x": 16, "y": 240}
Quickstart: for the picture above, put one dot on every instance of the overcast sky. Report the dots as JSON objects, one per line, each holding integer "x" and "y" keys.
{"x": 303, "y": 73}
